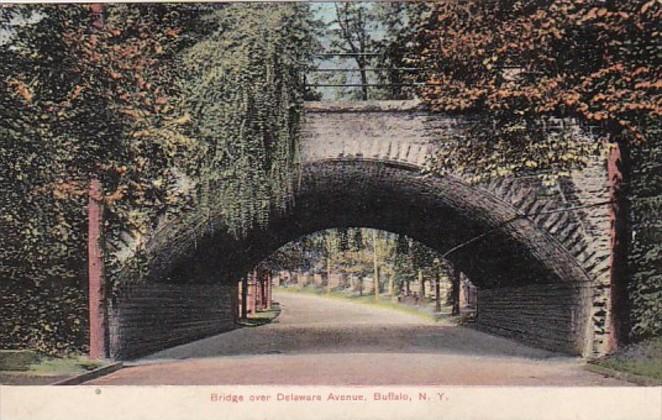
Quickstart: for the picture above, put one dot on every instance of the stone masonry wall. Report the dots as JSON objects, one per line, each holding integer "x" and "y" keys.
{"x": 583, "y": 232}
{"x": 150, "y": 317}
{"x": 547, "y": 316}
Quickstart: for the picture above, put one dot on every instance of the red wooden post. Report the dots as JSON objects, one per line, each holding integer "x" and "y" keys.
{"x": 235, "y": 302}
{"x": 618, "y": 320}
{"x": 252, "y": 293}
{"x": 269, "y": 290}
{"x": 265, "y": 290}
{"x": 96, "y": 271}
{"x": 259, "y": 292}
{"x": 244, "y": 297}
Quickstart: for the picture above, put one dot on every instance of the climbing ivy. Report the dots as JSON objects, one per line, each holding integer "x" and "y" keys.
{"x": 178, "y": 109}
{"x": 243, "y": 92}
{"x": 645, "y": 253}
{"x": 514, "y": 63}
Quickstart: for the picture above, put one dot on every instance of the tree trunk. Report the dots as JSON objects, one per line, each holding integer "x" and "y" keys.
{"x": 421, "y": 284}
{"x": 269, "y": 281}
{"x": 364, "y": 83}
{"x": 619, "y": 314}
{"x": 437, "y": 291}
{"x": 328, "y": 275}
{"x": 252, "y": 293}
{"x": 455, "y": 291}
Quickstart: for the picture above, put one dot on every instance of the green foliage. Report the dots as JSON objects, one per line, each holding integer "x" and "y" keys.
{"x": 79, "y": 99}
{"x": 343, "y": 240}
{"x": 397, "y": 255}
{"x": 51, "y": 318}
{"x": 516, "y": 63}
{"x": 376, "y": 34}
{"x": 403, "y": 245}
{"x": 398, "y": 22}
{"x": 180, "y": 110}
{"x": 357, "y": 239}
{"x": 645, "y": 253}
{"x": 644, "y": 359}
{"x": 244, "y": 92}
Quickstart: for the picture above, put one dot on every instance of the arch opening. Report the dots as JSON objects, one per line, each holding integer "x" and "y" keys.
{"x": 441, "y": 213}
{"x": 530, "y": 287}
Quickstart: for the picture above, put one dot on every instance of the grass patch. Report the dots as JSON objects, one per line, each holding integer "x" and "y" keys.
{"x": 18, "y": 360}
{"x": 49, "y": 369}
{"x": 424, "y": 312}
{"x": 262, "y": 317}
{"x": 642, "y": 359}
{"x": 63, "y": 366}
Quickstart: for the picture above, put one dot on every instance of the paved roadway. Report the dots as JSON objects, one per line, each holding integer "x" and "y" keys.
{"x": 321, "y": 341}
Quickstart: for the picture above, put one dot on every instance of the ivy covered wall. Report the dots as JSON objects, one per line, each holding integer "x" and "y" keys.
{"x": 645, "y": 251}
{"x": 148, "y": 98}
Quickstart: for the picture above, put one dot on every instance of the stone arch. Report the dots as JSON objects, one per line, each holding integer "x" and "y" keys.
{"x": 538, "y": 279}
{"x": 529, "y": 284}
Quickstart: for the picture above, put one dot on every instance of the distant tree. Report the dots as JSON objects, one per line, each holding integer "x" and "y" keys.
{"x": 357, "y": 239}
{"x": 352, "y": 32}
{"x": 343, "y": 239}
{"x": 397, "y": 47}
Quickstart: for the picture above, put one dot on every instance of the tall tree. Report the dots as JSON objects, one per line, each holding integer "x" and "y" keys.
{"x": 76, "y": 100}
{"x": 519, "y": 62}
{"x": 351, "y": 34}
{"x": 162, "y": 105}
{"x": 397, "y": 48}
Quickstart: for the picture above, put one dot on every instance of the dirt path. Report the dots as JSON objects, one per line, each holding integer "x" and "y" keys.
{"x": 330, "y": 341}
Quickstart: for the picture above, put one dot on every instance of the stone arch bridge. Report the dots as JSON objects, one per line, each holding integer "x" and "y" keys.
{"x": 546, "y": 275}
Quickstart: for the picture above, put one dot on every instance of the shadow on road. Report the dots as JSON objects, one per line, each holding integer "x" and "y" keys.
{"x": 311, "y": 324}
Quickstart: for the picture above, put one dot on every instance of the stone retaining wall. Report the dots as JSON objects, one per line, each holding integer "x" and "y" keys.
{"x": 150, "y": 317}
{"x": 549, "y": 316}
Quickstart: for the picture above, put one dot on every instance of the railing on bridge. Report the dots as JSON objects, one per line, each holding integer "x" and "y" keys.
{"x": 411, "y": 77}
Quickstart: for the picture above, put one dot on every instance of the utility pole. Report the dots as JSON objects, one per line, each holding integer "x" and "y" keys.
{"x": 455, "y": 291}
{"x": 96, "y": 275}
{"x": 95, "y": 249}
